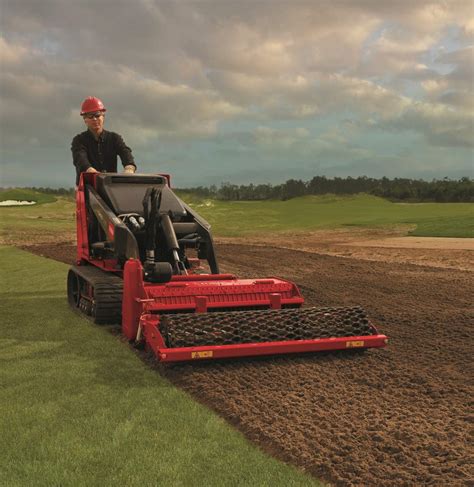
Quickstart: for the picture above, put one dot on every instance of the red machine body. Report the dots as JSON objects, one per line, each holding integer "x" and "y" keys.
{"x": 144, "y": 304}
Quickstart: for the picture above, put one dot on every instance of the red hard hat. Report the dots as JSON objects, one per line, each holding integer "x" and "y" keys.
{"x": 92, "y": 104}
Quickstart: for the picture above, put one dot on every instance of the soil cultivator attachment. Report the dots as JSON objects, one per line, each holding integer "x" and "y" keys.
{"x": 146, "y": 260}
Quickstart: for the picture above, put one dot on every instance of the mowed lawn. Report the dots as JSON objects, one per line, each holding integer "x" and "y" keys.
{"x": 236, "y": 218}
{"x": 240, "y": 218}
{"x": 52, "y": 217}
{"x": 80, "y": 408}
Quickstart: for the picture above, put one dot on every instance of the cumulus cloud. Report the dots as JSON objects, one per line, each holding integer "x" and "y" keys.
{"x": 440, "y": 124}
{"x": 11, "y": 54}
{"x": 279, "y": 139}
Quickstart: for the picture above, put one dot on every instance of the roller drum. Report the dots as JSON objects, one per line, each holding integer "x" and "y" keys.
{"x": 234, "y": 327}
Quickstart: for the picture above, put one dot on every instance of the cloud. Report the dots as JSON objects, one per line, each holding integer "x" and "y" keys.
{"x": 279, "y": 139}
{"x": 462, "y": 62}
{"x": 11, "y": 54}
{"x": 277, "y": 76}
{"x": 440, "y": 124}
{"x": 144, "y": 107}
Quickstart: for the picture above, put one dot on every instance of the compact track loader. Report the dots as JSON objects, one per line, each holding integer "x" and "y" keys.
{"x": 146, "y": 260}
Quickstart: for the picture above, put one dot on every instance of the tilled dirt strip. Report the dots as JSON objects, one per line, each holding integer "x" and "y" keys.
{"x": 380, "y": 245}
{"x": 397, "y": 416}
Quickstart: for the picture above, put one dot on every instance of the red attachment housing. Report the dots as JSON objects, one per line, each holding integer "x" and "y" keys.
{"x": 143, "y": 303}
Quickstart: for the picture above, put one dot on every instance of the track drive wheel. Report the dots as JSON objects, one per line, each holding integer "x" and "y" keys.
{"x": 73, "y": 289}
{"x": 96, "y": 294}
{"x": 106, "y": 304}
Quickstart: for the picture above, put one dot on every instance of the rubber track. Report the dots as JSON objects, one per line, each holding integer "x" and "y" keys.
{"x": 200, "y": 329}
{"x": 108, "y": 291}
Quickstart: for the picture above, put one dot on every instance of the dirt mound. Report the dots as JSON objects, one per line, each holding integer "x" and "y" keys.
{"x": 397, "y": 416}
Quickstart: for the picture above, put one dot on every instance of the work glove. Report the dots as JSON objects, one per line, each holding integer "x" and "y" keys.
{"x": 129, "y": 169}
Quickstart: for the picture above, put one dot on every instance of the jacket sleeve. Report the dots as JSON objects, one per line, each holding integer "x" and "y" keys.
{"x": 124, "y": 152}
{"x": 79, "y": 154}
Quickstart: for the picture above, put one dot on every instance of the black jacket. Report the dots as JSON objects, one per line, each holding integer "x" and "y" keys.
{"x": 100, "y": 154}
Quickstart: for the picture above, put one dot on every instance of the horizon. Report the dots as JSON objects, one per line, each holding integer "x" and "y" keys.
{"x": 281, "y": 183}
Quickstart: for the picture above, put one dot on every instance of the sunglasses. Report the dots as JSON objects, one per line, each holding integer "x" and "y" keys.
{"x": 93, "y": 115}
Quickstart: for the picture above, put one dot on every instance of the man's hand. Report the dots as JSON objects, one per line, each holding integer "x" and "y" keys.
{"x": 129, "y": 169}
{"x": 92, "y": 169}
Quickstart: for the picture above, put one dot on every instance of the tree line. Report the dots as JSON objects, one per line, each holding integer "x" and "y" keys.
{"x": 398, "y": 189}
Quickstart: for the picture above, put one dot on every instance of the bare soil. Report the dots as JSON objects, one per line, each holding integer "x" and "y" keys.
{"x": 380, "y": 245}
{"x": 395, "y": 416}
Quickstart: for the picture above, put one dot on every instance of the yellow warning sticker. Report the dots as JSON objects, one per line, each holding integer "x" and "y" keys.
{"x": 204, "y": 354}
{"x": 355, "y": 344}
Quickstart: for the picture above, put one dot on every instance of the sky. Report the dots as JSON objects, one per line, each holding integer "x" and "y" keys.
{"x": 241, "y": 91}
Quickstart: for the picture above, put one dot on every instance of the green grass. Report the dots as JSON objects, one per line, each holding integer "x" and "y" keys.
{"x": 55, "y": 220}
{"x": 237, "y": 218}
{"x": 241, "y": 218}
{"x": 22, "y": 194}
{"x": 79, "y": 408}
{"x": 445, "y": 226}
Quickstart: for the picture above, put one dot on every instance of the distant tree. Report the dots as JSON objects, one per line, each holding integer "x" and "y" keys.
{"x": 292, "y": 189}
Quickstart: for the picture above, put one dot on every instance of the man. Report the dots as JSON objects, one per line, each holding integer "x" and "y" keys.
{"x": 96, "y": 149}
